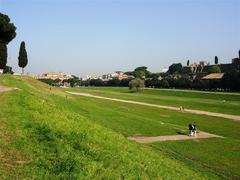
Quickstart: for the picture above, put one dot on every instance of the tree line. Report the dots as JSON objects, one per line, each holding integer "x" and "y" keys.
{"x": 7, "y": 34}
{"x": 177, "y": 76}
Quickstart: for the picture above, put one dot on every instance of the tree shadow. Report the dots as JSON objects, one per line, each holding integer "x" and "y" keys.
{"x": 181, "y": 132}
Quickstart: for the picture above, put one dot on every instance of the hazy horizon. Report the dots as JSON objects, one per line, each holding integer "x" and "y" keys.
{"x": 97, "y": 37}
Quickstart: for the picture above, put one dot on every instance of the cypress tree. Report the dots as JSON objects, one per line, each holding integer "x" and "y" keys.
{"x": 239, "y": 54}
{"x": 188, "y": 63}
{"x": 22, "y": 58}
{"x": 216, "y": 60}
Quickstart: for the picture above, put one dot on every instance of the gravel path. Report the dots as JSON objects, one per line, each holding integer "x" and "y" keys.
{"x": 200, "y": 112}
{"x": 148, "y": 140}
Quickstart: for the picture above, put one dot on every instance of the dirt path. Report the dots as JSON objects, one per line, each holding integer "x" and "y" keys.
{"x": 5, "y": 89}
{"x": 148, "y": 140}
{"x": 200, "y": 112}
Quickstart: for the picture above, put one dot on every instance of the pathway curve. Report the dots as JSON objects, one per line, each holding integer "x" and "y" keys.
{"x": 148, "y": 140}
{"x": 193, "y": 111}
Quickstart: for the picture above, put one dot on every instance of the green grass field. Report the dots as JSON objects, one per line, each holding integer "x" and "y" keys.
{"x": 214, "y": 102}
{"x": 51, "y": 134}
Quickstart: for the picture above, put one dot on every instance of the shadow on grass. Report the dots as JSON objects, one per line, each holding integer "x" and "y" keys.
{"x": 181, "y": 132}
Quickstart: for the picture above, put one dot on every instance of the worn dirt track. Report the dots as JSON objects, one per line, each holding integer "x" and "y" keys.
{"x": 5, "y": 89}
{"x": 148, "y": 140}
{"x": 193, "y": 111}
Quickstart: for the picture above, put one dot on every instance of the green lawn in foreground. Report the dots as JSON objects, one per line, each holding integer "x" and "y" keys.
{"x": 44, "y": 135}
{"x": 222, "y": 103}
{"x": 217, "y": 156}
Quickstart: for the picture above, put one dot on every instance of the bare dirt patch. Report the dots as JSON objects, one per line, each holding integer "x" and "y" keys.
{"x": 148, "y": 140}
{"x": 6, "y": 89}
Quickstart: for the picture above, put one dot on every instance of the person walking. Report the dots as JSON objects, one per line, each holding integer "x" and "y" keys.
{"x": 194, "y": 129}
{"x": 190, "y": 127}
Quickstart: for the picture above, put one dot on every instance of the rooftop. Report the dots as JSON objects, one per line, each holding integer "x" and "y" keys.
{"x": 213, "y": 76}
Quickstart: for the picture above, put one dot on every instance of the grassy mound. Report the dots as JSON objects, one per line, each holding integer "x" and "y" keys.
{"x": 40, "y": 138}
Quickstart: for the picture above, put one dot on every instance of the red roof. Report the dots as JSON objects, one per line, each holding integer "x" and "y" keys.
{"x": 213, "y": 76}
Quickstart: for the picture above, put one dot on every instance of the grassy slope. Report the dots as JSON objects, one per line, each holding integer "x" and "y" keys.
{"x": 218, "y": 156}
{"x": 45, "y": 135}
{"x": 223, "y": 103}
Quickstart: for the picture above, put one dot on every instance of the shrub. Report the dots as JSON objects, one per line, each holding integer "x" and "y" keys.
{"x": 214, "y": 69}
{"x": 136, "y": 85}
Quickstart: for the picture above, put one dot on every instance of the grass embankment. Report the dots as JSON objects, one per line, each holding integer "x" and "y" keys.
{"x": 213, "y": 102}
{"x": 220, "y": 157}
{"x": 44, "y": 134}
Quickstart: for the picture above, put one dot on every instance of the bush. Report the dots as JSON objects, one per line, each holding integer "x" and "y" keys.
{"x": 96, "y": 82}
{"x": 136, "y": 85}
{"x": 164, "y": 83}
{"x": 214, "y": 69}
{"x": 114, "y": 82}
{"x": 231, "y": 80}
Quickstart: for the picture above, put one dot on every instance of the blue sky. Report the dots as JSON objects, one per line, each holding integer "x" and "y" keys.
{"x": 98, "y": 36}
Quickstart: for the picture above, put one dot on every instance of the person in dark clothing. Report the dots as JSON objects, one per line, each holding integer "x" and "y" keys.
{"x": 194, "y": 129}
{"x": 190, "y": 127}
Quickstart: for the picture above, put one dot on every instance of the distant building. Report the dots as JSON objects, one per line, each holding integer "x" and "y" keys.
{"x": 115, "y": 75}
{"x": 203, "y": 63}
{"x": 106, "y": 77}
{"x": 195, "y": 68}
{"x": 86, "y": 78}
{"x": 225, "y": 67}
{"x": 54, "y": 76}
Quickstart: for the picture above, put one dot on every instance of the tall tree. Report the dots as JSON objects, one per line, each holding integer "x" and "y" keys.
{"x": 216, "y": 60}
{"x": 175, "y": 68}
{"x": 3, "y": 55}
{"x": 141, "y": 71}
{"x": 22, "y": 58}
{"x": 139, "y": 74}
{"x": 7, "y": 33}
{"x": 239, "y": 54}
{"x": 188, "y": 62}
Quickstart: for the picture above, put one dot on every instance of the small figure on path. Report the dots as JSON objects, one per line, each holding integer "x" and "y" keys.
{"x": 180, "y": 108}
{"x": 190, "y": 127}
{"x": 194, "y": 129}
